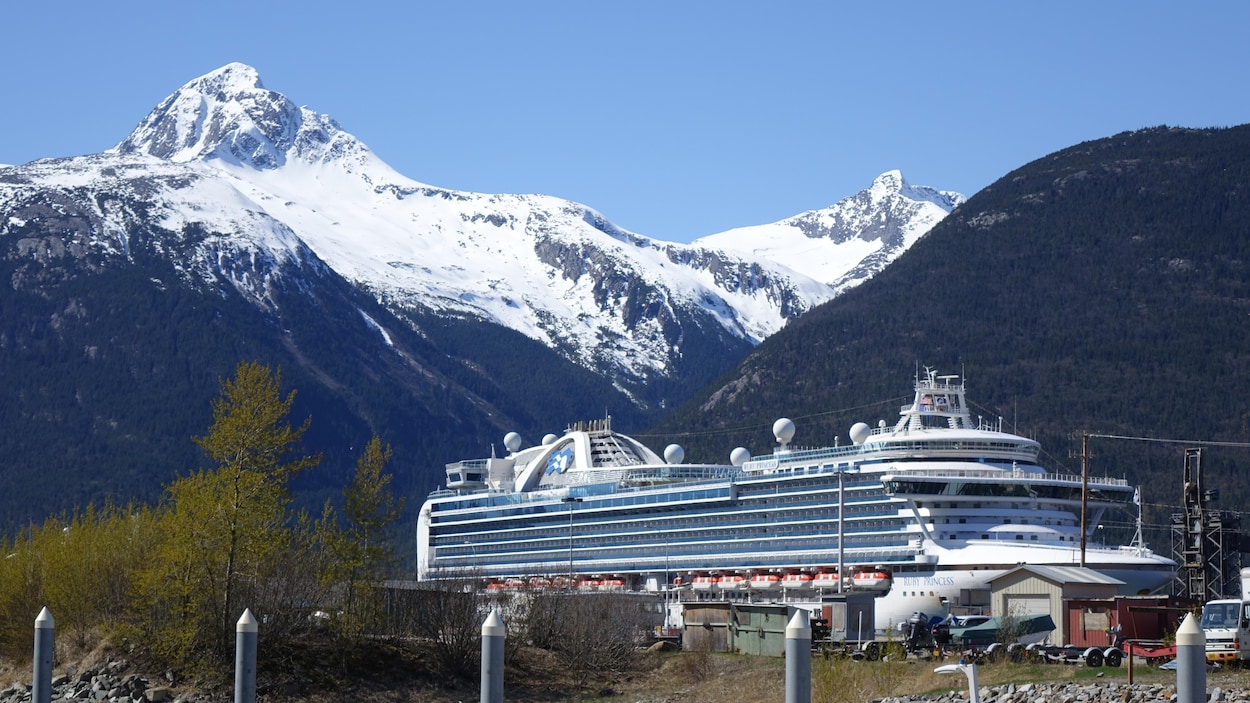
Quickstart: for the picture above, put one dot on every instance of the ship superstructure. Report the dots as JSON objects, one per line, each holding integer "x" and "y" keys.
{"x": 925, "y": 511}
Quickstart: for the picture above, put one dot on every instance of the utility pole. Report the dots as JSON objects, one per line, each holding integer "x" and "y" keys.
{"x": 1084, "y": 491}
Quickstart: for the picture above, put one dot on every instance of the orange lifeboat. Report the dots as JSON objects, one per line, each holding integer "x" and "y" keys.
{"x": 703, "y": 583}
{"x": 731, "y": 582}
{"x": 765, "y": 582}
{"x": 588, "y": 584}
{"x": 872, "y": 579}
{"x": 611, "y": 585}
{"x": 796, "y": 581}
{"x": 825, "y": 579}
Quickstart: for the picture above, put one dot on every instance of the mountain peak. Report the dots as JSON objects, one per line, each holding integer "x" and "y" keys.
{"x": 894, "y": 184}
{"x": 229, "y": 115}
{"x": 889, "y": 182}
{"x": 232, "y": 79}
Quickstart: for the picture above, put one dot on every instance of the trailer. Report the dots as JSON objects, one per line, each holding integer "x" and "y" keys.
{"x": 1155, "y": 652}
{"x": 1093, "y": 657}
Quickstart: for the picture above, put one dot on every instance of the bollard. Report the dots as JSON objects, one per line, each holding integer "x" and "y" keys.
{"x": 1191, "y": 662}
{"x": 799, "y": 659}
{"x": 245, "y": 658}
{"x": 492, "y": 658}
{"x": 968, "y": 670}
{"x": 41, "y": 685}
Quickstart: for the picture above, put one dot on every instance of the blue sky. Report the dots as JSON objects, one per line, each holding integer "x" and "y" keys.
{"x": 673, "y": 119}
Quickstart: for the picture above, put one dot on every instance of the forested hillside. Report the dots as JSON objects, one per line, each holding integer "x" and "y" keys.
{"x": 1104, "y": 288}
{"x": 109, "y": 373}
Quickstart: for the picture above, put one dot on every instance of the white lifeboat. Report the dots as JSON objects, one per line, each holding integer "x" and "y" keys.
{"x": 872, "y": 579}
{"x": 825, "y": 579}
{"x": 703, "y": 583}
{"x": 765, "y": 582}
{"x": 796, "y": 581}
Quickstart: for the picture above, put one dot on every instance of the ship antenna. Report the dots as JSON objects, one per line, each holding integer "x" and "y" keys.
{"x": 1138, "y": 540}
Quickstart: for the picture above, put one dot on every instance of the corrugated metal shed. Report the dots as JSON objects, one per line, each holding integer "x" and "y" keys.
{"x": 1029, "y": 589}
{"x": 760, "y": 628}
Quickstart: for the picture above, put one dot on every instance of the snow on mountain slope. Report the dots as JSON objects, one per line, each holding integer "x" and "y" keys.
{"x": 226, "y": 156}
{"x": 847, "y": 243}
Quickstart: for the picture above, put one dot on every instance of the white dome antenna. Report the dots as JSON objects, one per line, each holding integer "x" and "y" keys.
{"x": 549, "y": 439}
{"x": 860, "y": 432}
{"x": 783, "y": 430}
{"x": 739, "y": 456}
{"x": 512, "y": 442}
{"x": 674, "y": 454}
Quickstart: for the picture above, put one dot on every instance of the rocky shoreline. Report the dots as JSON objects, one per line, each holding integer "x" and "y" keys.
{"x": 105, "y": 684}
{"x": 1069, "y": 692}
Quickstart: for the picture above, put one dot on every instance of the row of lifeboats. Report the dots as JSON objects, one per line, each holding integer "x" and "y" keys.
{"x": 864, "y": 579}
{"x": 559, "y": 582}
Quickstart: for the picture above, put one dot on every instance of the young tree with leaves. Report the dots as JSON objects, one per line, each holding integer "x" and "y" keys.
{"x": 227, "y": 526}
{"x": 360, "y": 551}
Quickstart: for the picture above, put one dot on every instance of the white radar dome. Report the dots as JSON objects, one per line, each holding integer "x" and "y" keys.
{"x": 549, "y": 439}
{"x": 512, "y": 442}
{"x": 860, "y": 432}
{"x": 674, "y": 454}
{"x": 739, "y": 456}
{"x": 783, "y": 430}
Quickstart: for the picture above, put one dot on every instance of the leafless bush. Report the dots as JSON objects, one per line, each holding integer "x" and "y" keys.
{"x": 447, "y": 613}
{"x": 589, "y": 632}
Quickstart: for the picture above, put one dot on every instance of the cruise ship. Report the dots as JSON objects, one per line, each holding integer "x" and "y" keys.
{"x": 925, "y": 512}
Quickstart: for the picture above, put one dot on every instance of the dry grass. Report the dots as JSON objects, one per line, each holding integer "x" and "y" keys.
{"x": 699, "y": 677}
{"x": 403, "y": 675}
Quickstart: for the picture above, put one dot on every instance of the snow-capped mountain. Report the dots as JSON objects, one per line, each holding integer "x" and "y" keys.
{"x": 847, "y": 243}
{"x": 248, "y": 183}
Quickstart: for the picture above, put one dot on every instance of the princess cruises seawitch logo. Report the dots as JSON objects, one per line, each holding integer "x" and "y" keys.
{"x": 559, "y": 461}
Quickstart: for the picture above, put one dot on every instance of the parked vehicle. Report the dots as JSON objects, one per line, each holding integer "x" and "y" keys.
{"x": 1226, "y": 624}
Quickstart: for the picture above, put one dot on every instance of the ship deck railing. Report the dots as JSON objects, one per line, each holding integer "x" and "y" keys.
{"x": 1016, "y": 474}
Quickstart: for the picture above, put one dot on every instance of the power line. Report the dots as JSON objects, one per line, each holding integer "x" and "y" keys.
{"x": 1187, "y": 442}
{"x": 760, "y": 426}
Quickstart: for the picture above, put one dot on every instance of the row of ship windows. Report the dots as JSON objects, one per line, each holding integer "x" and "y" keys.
{"x": 1032, "y": 538}
{"x": 696, "y": 542}
{"x": 813, "y": 521}
{"x": 1007, "y": 521}
{"x": 639, "y": 499}
{"x": 1030, "y": 506}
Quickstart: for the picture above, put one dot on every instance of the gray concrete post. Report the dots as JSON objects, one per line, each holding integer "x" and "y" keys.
{"x": 41, "y": 684}
{"x": 1191, "y": 662}
{"x": 799, "y": 659}
{"x": 493, "y": 632}
{"x": 245, "y": 632}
